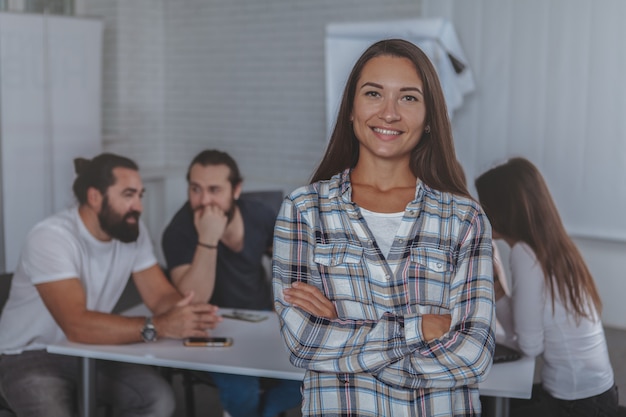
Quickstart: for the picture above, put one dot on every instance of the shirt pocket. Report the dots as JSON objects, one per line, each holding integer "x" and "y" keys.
{"x": 430, "y": 283}
{"x": 342, "y": 267}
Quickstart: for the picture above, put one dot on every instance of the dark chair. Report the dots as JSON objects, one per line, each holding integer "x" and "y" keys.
{"x": 5, "y": 411}
{"x": 5, "y": 286}
{"x": 130, "y": 298}
{"x": 271, "y": 198}
{"x": 193, "y": 378}
{"x": 189, "y": 380}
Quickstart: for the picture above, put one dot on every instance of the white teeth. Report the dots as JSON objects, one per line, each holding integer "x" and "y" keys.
{"x": 386, "y": 131}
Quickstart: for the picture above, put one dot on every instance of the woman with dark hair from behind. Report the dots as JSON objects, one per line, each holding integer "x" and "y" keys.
{"x": 554, "y": 307}
{"x": 382, "y": 265}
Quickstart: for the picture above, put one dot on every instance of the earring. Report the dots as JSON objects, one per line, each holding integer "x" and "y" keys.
{"x": 427, "y": 129}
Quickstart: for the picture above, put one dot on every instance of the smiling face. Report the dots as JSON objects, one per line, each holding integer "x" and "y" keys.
{"x": 389, "y": 113}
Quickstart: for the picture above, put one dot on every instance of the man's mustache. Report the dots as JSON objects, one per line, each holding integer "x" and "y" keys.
{"x": 132, "y": 214}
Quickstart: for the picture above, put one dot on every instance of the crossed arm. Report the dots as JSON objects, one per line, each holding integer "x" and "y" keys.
{"x": 199, "y": 275}
{"x": 311, "y": 300}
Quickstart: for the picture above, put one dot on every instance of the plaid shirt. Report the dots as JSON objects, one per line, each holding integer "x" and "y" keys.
{"x": 373, "y": 359}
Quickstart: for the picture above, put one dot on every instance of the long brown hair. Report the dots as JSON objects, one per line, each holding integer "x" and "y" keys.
{"x": 215, "y": 157}
{"x": 433, "y": 159}
{"x": 519, "y": 206}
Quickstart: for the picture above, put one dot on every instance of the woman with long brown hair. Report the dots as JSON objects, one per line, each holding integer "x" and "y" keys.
{"x": 554, "y": 304}
{"x": 382, "y": 265}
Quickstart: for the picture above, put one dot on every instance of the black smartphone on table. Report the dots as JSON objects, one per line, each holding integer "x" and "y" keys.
{"x": 209, "y": 341}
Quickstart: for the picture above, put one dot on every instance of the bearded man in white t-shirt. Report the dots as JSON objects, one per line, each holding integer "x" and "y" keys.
{"x": 72, "y": 271}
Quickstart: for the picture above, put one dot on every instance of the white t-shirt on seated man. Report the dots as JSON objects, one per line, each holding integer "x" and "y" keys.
{"x": 57, "y": 248}
{"x": 73, "y": 268}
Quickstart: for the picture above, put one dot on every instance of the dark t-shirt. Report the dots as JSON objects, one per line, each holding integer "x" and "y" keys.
{"x": 240, "y": 280}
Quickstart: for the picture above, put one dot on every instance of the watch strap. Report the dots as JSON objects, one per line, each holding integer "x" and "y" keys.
{"x": 149, "y": 333}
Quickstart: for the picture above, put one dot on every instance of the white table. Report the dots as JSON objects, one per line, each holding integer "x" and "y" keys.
{"x": 258, "y": 350}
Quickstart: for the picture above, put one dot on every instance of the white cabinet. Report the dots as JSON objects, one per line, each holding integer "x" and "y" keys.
{"x": 50, "y": 113}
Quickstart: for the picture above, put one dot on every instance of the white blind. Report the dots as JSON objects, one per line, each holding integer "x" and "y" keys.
{"x": 550, "y": 86}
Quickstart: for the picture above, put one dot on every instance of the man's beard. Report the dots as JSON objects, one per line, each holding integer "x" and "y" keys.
{"x": 115, "y": 224}
{"x": 230, "y": 213}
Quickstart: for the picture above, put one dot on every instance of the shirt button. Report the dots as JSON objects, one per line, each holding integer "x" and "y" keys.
{"x": 401, "y": 240}
{"x": 387, "y": 277}
{"x": 439, "y": 265}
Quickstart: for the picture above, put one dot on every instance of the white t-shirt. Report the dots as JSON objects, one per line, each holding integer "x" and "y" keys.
{"x": 384, "y": 227}
{"x": 576, "y": 359}
{"x": 61, "y": 247}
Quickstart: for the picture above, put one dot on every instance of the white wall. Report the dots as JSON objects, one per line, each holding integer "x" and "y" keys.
{"x": 133, "y": 78}
{"x": 50, "y": 84}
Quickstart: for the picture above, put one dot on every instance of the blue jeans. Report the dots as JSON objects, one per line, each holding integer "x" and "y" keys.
{"x": 543, "y": 404}
{"x": 249, "y": 396}
{"x": 38, "y": 383}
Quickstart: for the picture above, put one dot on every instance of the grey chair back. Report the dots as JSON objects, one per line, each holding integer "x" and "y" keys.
{"x": 271, "y": 198}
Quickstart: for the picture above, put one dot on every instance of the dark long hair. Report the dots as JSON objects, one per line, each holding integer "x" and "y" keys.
{"x": 97, "y": 173}
{"x": 215, "y": 157}
{"x": 433, "y": 159}
{"x": 519, "y": 206}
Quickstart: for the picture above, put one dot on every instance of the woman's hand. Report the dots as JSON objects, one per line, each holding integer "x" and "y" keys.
{"x": 310, "y": 299}
{"x": 435, "y": 325}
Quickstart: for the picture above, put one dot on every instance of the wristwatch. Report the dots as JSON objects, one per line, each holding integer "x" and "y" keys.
{"x": 149, "y": 333}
